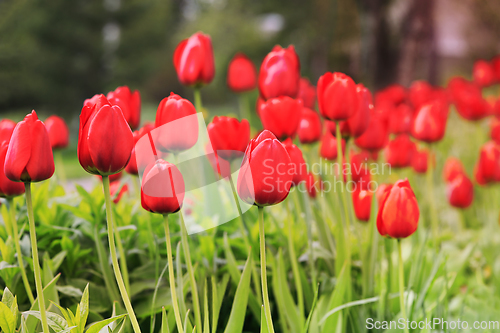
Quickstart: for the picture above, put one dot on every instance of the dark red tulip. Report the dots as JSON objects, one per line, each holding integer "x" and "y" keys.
{"x": 264, "y": 178}
{"x": 399, "y": 152}
{"x": 58, "y": 132}
{"x": 194, "y": 60}
{"x": 331, "y": 127}
{"x": 452, "y": 168}
{"x": 495, "y": 63}
{"x": 468, "y": 99}
{"x": 362, "y": 202}
{"x": 460, "y": 191}
{"x": 281, "y": 116}
{"x": 429, "y": 122}
{"x": 488, "y": 165}
{"x": 420, "y": 161}
{"x": 162, "y": 188}
{"x": 131, "y": 167}
{"x": 105, "y": 140}
{"x": 398, "y": 214}
{"x": 279, "y": 73}
{"x": 117, "y": 190}
{"x": 307, "y": 93}
{"x": 113, "y": 178}
{"x": 328, "y": 148}
{"x": 298, "y": 165}
{"x": 495, "y": 130}
{"x": 29, "y": 157}
{"x": 375, "y": 137}
{"x": 312, "y": 186}
{"x": 420, "y": 93}
{"x": 129, "y": 102}
{"x": 483, "y": 73}
{"x": 8, "y": 188}
{"x": 400, "y": 119}
{"x": 229, "y": 137}
{"x": 337, "y": 96}
{"x": 184, "y": 134}
{"x": 241, "y": 74}
{"x": 309, "y": 130}
{"x": 6, "y": 128}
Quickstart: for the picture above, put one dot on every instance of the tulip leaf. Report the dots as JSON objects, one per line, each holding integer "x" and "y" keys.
{"x": 55, "y": 321}
{"x": 7, "y": 319}
{"x": 96, "y": 327}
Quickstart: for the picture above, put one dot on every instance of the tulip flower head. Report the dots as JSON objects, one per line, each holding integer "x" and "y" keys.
{"x": 398, "y": 213}
{"x": 307, "y": 93}
{"x": 452, "y": 168}
{"x": 229, "y": 137}
{"x": 468, "y": 99}
{"x": 400, "y": 119}
{"x": 420, "y": 161}
{"x": 362, "y": 202}
{"x": 312, "y": 186}
{"x": 483, "y": 73}
{"x": 488, "y": 165}
{"x": 131, "y": 167}
{"x": 376, "y": 135}
{"x": 429, "y": 122}
{"x": 29, "y": 156}
{"x": 460, "y": 191}
{"x": 328, "y": 148}
{"x": 298, "y": 164}
{"x": 6, "y": 128}
{"x": 129, "y": 102}
{"x": 58, "y": 132}
{"x": 281, "y": 116}
{"x": 241, "y": 74}
{"x": 400, "y": 151}
{"x": 310, "y": 129}
{"x": 8, "y": 188}
{"x": 337, "y": 96}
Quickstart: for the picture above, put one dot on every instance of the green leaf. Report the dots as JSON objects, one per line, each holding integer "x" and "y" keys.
{"x": 295, "y": 319}
{"x": 96, "y": 327}
{"x": 55, "y": 321}
{"x": 7, "y": 319}
{"x": 238, "y": 311}
{"x": 84, "y": 310}
{"x": 11, "y": 301}
{"x": 309, "y": 317}
{"x": 164, "y": 321}
{"x": 206, "y": 323}
{"x": 263, "y": 321}
{"x": 337, "y": 298}
{"x": 65, "y": 314}
{"x": 32, "y": 321}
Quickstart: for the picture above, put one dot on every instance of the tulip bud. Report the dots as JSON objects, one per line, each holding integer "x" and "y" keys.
{"x": 488, "y": 165}
{"x": 241, "y": 74}
{"x": 162, "y": 188}
{"x": 400, "y": 119}
{"x": 280, "y": 73}
{"x": 420, "y": 161}
{"x": 460, "y": 191}
{"x": 129, "y": 102}
{"x": 429, "y": 123}
{"x": 132, "y": 167}
{"x": 220, "y": 166}
{"x": 229, "y": 137}
{"x": 298, "y": 166}
{"x": 398, "y": 213}
{"x": 468, "y": 99}
{"x": 359, "y": 122}
{"x": 399, "y": 152}
{"x": 375, "y": 137}
{"x": 8, "y": 188}
{"x": 309, "y": 130}
{"x": 483, "y": 73}
{"x": 105, "y": 140}
{"x": 6, "y": 128}
{"x": 495, "y": 130}
{"x": 420, "y": 93}
{"x": 281, "y": 116}
{"x": 452, "y": 168}
{"x": 264, "y": 178}
{"x": 328, "y": 148}
{"x": 337, "y": 97}
{"x": 312, "y": 186}
{"x": 307, "y": 93}
{"x": 194, "y": 60}
{"x": 58, "y": 132}
{"x": 495, "y": 63}
{"x": 359, "y": 166}
{"x": 394, "y": 95}
{"x": 29, "y": 157}
{"x": 362, "y": 202}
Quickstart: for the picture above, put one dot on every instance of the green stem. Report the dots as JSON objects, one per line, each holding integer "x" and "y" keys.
{"x": 103, "y": 262}
{"x": 61, "y": 174}
{"x": 12, "y": 211}
{"x": 197, "y": 100}
{"x": 194, "y": 288}
{"x": 388, "y": 251}
{"x": 309, "y": 224}
{"x": 293, "y": 260}
{"x": 171, "y": 276}
{"x": 402, "y": 285}
{"x": 114, "y": 259}
{"x": 263, "y": 272}
{"x": 123, "y": 258}
{"x": 432, "y": 202}
{"x": 36, "y": 262}
{"x": 244, "y": 107}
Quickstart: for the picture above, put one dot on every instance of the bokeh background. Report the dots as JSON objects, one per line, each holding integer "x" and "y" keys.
{"x": 54, "y": 54}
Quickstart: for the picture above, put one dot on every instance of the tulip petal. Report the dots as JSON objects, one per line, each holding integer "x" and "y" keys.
{"x": 19, "y": 152}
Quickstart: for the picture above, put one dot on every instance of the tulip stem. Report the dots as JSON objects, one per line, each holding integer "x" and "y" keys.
{"x": 112, "y": 250}
{"x": 123, "y": 258}
{"x": 238, "y": 206}
{"x": 12, "y": 211}
{"x": 61, "y": 174}
{"x": 194, "y": 288}
{"x": 171, "y": 276}
{"x": 432, "y": 203}
{"x": 197, "y": 100}
{"x": 263, "y": 272}
{"x": 402, "y": 285}
{"x": 309, "y": 224}
{"x": 36, "y": 262}
{"x": 293, "y": 260}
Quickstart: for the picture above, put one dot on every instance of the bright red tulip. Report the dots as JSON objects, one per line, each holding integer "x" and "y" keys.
{"x": 229, "y": 137}
{"x": 495, "y": 63}
{"x": 420, "y": 161}
{"x": 429, "y": 122}
{"x": 6, "y": 128}
{"x": 376, "y": 136}
{"x": 279, "y": 73}
{"x": 362, "y": 202}
{"x": 117, "y": 190}
{"x": 359, "y": 167}
{"x": 359, "y": 122}
{"x": 420, "y": 93}
{"x": 162, "y": 188}
{"x": 399, "y": 213}
{"x": 328, "y": 148}
{"x": 309, "y": 130}
{"x": 29, "y": 157}
{"x": 312, "y": 186}
{"x": 307, "y": 93}
{"x": 337, "y": 96}
{"x": 380, "y": 192}
{"x": 220, "y": 166}
{"x": 400, "y": 119}
{"x": 241, "y": 74}
{"x": 184, "y": 134}
{"x": 194, "y": 60}
{"x": 452, "y": 168}
{"x": 281, "y": 116}
{"x": 460, "y": 191}
{"x": 488, "y": 165}
{"x": 298, "y": 165}
{"x": 131, "y": 167}
{"x": 264, "y": 177}
{"x": 8, "y": 188}
{"x": 394, "y": 95}
{"x": 495, "y": 130}
{"x": 399, "y": 152}
{"x": 483, "y": 73}
{"x": 105, "y": 140}
{"x": 468, "y": 99}
{"x": 58, "y": 132}
{"x": 129, "y": 102}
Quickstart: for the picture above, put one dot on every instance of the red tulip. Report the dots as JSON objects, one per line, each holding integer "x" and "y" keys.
{"x": 331, "y": 127}
{"x": 309, "y": 130}
{"x": 229, "y": 137}
{"x": 29, "y": 156}
{"x": 162, "y": 188}
{"x": 400, "y": 151}
{"x": 105, "y": 140}
{"x": 307, "y": 93}
{"x": 131, "y": 167}
{"x": 495, "y": 130}
{"x": 117, "y": 190}
{"x": 420, "y": 161}
{"x": 483, "y": 73}
{"x": 220, "y": 166}
{"x": 495, "y": 63}
{"x": 394, "y": 95}
{"x": 312, "y": 186}
{"x": 194, "y": 60}
{"x": 359, "y": 122}
{"x": 184, "y": 134}
{"x": 468, "y": 99}
{"x": 488, "y": 165}
{"x": 241, "y": 74}
{"x": 452, "y": 168}
{"x": 400, "y": 119}
{"x": 129, "y": 102}
{"x": 398, "y": 214}
{"x": 460, "y": 191}
{"x": 298, "y": 165}
{"x": 380, "y": 192}
{"x": 264, "y": 177}
{"x": 281, "y": 116}
{"x": 337, "y": 97}
{"x": 420, "y": 93}
{"x": 8, "y": 188}
{"x": 429, "y": 122}
{"x": 359, "y": 167}
{"x": 328, "y": 148}
{"x": 362, "y": 202}
{"x": 113, "y": 178}
{"x": 375, "y": 137}
{"x": 58, "y": 132}
{"x": 6, "y": 128}
{"x": 279, "y": 73}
